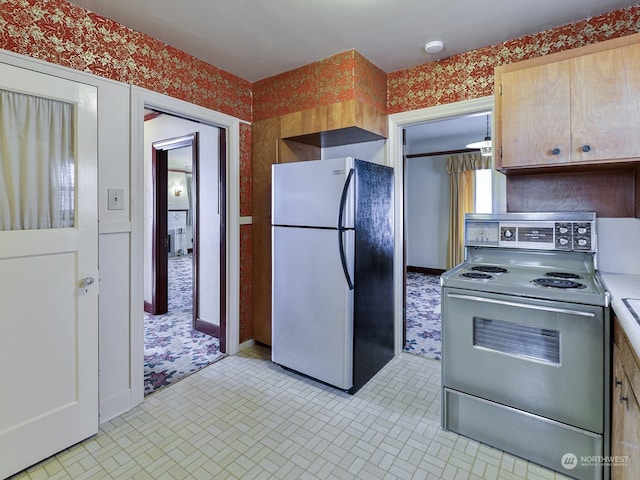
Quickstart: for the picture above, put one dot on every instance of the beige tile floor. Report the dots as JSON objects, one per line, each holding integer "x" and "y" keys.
{"x": 246, "y": 418}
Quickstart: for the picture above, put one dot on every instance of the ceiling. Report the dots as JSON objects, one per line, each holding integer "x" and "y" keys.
{"x": 256, "y": 39}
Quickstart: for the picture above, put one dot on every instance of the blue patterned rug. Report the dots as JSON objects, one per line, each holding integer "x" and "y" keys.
{"x": 172, "y": 348}
{"x": 423, "y": 315}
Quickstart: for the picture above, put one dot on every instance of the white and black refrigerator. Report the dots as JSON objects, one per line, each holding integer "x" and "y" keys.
{"x": 332, "y": 269}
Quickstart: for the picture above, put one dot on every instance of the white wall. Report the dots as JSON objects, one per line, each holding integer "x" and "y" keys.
{"x": 114, "y": 335}
{"x": 618, "y": 245}
{"x": 162, "y": 128}
{"x": 427, "y": 212}
{"x": 370, "y": 151}
{"x": 177, "y": 180}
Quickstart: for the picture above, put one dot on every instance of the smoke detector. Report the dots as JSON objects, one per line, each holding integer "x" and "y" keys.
{"x": 434, "y": 47}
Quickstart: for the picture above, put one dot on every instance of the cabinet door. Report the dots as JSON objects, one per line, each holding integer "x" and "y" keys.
{"x": 617, "y": 413}
{"x": 605, "y": 102}
{"x": 631, "y": 435}
{"x": 536, "y": 115}
{"x": 625, "y": 423}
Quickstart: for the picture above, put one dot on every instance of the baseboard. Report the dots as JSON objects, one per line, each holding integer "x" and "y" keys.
{"x": 115, "y": 406}
{"x": 427, "y": 271}
{"x": 248, "y": 344}
{"x": 207, "y": 328}
{"x": 147, "y": 307}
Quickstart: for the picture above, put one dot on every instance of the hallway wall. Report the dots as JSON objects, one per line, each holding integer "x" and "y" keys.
{"x": 162, "y": 128}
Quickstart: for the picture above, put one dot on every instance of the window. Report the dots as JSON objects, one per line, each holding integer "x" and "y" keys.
{"x": 483, "y": 192}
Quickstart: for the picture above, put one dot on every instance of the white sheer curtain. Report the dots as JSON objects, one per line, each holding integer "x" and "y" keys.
{"x": 37, "y": 165}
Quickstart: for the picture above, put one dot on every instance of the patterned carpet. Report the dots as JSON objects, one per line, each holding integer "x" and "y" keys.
{"x": 423, "y": 315}
{"x": 173, "y": 349}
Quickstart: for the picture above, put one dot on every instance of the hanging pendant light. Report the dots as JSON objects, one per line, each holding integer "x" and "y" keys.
{"x": 485, "y": 145}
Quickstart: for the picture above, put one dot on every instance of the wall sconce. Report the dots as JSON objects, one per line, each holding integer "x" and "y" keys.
{"x": 178, "y": 191}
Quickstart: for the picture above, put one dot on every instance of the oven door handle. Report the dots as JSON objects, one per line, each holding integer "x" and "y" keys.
{"x": 521, "y": 305}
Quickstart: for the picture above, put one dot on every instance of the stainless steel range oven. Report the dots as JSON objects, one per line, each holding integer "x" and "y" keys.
{"x": 525, "y": 341}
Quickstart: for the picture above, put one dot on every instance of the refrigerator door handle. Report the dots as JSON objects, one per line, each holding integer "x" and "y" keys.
{"x": 341, "y": 228}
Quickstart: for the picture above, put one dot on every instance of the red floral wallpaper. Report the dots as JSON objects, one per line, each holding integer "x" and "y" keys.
{"x": 470, "y": 75}
{"x": 370, "y": 83}
{"x": 341, "y": 77}
{"x": 246, "y": 320}
{"x": 321, "y": 83}
{"x": 245, "y": 170}
{"x": 62, "y": 33}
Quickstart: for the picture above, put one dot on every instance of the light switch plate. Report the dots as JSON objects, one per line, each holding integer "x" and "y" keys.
{"x": 116, "y": 199}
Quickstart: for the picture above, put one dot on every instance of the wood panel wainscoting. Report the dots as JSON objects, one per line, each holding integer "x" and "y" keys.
{"x": 613, "y": 192}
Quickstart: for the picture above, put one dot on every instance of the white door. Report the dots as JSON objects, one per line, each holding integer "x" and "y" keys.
{"x": 48, "y": 321}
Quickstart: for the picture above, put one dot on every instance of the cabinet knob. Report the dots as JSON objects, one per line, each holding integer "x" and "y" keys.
{"x": 618, "y": 382}
{"x": 624, "y": 399}
{"x": 586, "y": 148}
{"x": 556, "y": 151}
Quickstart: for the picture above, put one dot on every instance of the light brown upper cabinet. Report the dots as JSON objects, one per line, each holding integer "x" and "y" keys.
{"x": 579, "y": 106}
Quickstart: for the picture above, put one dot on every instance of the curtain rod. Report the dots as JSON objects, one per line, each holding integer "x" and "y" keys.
{"x": 446, "y": 152}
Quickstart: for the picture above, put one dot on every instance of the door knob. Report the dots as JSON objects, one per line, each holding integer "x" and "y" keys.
{"x": 87, "y": 281}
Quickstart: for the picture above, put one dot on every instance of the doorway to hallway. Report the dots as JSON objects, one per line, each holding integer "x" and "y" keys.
{"x": 185, "y": 284}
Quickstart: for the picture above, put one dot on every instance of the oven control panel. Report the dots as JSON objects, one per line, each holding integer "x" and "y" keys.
{"x": 577, "y": 236}
{"x": 567, "y": 235}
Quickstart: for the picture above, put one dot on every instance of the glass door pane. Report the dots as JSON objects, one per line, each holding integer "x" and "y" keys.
{"x": 37, "y": 162}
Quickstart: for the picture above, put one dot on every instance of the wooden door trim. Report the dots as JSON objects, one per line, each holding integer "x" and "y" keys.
{"x": 218, "y": 331}
{"x": 159, "y": 231}
{"x": 159, "y": 228}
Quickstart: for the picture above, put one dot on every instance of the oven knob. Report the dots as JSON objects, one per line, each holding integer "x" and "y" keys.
{"x": 582, "y": 242}
{"x": 563, "y": 230}
{"x": 563, "y": 240}
{"x": 508, "y": 233}
{"x": 582, "y": 230}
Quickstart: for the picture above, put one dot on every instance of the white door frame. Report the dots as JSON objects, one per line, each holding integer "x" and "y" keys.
{"x": 141, "y": 98}
{"x": 397, "y": 122}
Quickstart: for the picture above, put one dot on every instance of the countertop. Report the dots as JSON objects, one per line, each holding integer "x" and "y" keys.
{"x": 622, "y": 286}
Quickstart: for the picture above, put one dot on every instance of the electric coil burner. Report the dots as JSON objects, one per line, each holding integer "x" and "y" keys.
{"x": 563, "y": 275}
{"x": 477, "y": 275}
{"x": 557, "y": 283}
{"x": 489, "y": 269}
{"x": 526, "y": 340}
